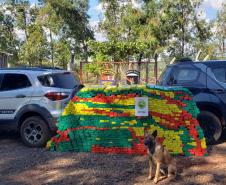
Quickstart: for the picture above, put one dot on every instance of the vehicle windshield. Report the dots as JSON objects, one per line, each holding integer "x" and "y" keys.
{"x": 65, "y": 80}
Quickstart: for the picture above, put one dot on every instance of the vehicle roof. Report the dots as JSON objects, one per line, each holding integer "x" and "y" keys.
{"x": 33, "y": 70}
{"x": 207, "y": 63}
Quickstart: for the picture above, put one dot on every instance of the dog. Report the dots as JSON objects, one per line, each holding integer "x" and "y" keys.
{"x": 158, "y": 155}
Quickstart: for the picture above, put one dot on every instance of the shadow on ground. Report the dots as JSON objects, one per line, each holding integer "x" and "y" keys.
{"x": 22, "y": 165}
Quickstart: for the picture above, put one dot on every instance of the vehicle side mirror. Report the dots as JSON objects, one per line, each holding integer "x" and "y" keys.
{"x": 174, "y": 82}
{"x": 170, "y": 82}
{"x": 81, "y": 86}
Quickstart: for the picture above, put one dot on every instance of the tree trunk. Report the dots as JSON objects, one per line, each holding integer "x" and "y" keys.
{"x": 97, "y": 79}
{"x": 147, "y": 71}
{"x": 40, "y": 63}
{"x": 51, "y": 45}
{"x": 223, "y": 48}
{"x": 25, "y": 30}
{"x": 85, "y": 48}
{"x": 117, "y": 77}
{"x": 25, "y": 24}
{"x": 81, "y": 72}
{"x": 73, "y": 56}
{"x": 183, "y": 34}
{"x": 156, "y": 68}
{"x": 139, "y": 66}
{"x": 64, "y": 65}
{"x": 183, "y": 43}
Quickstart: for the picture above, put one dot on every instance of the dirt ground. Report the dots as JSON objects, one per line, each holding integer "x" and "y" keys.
{"x": 20, "y": 165}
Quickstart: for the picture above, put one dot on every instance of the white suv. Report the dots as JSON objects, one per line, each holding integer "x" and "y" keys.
{"x": 31, "y": 100}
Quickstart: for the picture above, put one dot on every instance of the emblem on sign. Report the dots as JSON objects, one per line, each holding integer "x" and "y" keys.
{"x": 141, "y": 106}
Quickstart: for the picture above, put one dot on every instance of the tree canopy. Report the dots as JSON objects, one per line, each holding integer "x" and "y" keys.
{"x": 56, "y": 32}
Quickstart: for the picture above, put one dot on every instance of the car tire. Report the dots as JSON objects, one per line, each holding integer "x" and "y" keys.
{"x": 211, "y": 126}
{"x": 34, "y": 132}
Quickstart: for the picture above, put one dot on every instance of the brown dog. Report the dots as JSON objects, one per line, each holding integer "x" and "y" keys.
{"x": 159, "y": 155}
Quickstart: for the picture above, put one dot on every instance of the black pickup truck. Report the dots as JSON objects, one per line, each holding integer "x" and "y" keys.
{"x": 207, "y": 81}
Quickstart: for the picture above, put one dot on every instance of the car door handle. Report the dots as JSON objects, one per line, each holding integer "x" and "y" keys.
{"x": 20, "y": 96}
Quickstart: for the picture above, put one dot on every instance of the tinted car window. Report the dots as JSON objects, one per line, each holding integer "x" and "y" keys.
{"x": 1, "y": 77}
{"x": 59, "y": 80}
{"x": 14, "y": 81}
{"x": 164, "y": 76}
{"x": 220, "y": 74}
{"x": 185, "y": 75}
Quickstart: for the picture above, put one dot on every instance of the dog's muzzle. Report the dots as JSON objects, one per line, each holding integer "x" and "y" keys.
{"x": 147, "y": 142}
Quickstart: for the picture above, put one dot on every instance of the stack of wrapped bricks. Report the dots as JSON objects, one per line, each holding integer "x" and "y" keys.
{"x": 102, "y": 120}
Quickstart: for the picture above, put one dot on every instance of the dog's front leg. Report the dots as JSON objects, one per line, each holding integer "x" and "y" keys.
{"x": 157, "y": 173}
{"x": 150, "y": 168}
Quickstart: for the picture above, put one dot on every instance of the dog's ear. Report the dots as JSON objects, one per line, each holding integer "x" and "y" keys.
{"x": 155, "y": 133}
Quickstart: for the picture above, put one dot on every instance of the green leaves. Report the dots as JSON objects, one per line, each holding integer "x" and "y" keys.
{"x": 116, "y": 51}
{"x": 61, "y": 53}
{"x": 60, "y": 31}
{"x": 34, "y": 50}
{"x": 220, "y": 37}
{"x": 74, "y": 27}
{"x": 8, "y": 40}
{"x": 52, "y": 31}
{"x": 186, "y": 28}
{"x": 130, "y": 31}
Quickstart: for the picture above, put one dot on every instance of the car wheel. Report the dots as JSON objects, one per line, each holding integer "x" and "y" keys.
{"x": 34, "y": 132}
{"x": 211, "y": 126}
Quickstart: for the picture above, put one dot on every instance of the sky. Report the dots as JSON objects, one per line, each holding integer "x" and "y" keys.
{"x": 211, "y": 7}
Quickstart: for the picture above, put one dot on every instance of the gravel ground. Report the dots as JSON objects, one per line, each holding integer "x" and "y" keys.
{"x": 20, "y": 165}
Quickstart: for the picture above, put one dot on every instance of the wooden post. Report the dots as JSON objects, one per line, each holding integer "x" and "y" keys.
{"x": 147, "y": 70}
{"x": 139, "y": 66}
{"x": 156, "y": 67}
{"x": 117, "y": 75}
{"x": 81, "y": 73}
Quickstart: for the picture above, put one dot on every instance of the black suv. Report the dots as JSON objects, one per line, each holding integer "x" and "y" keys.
{"x": 207, "y": 81}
